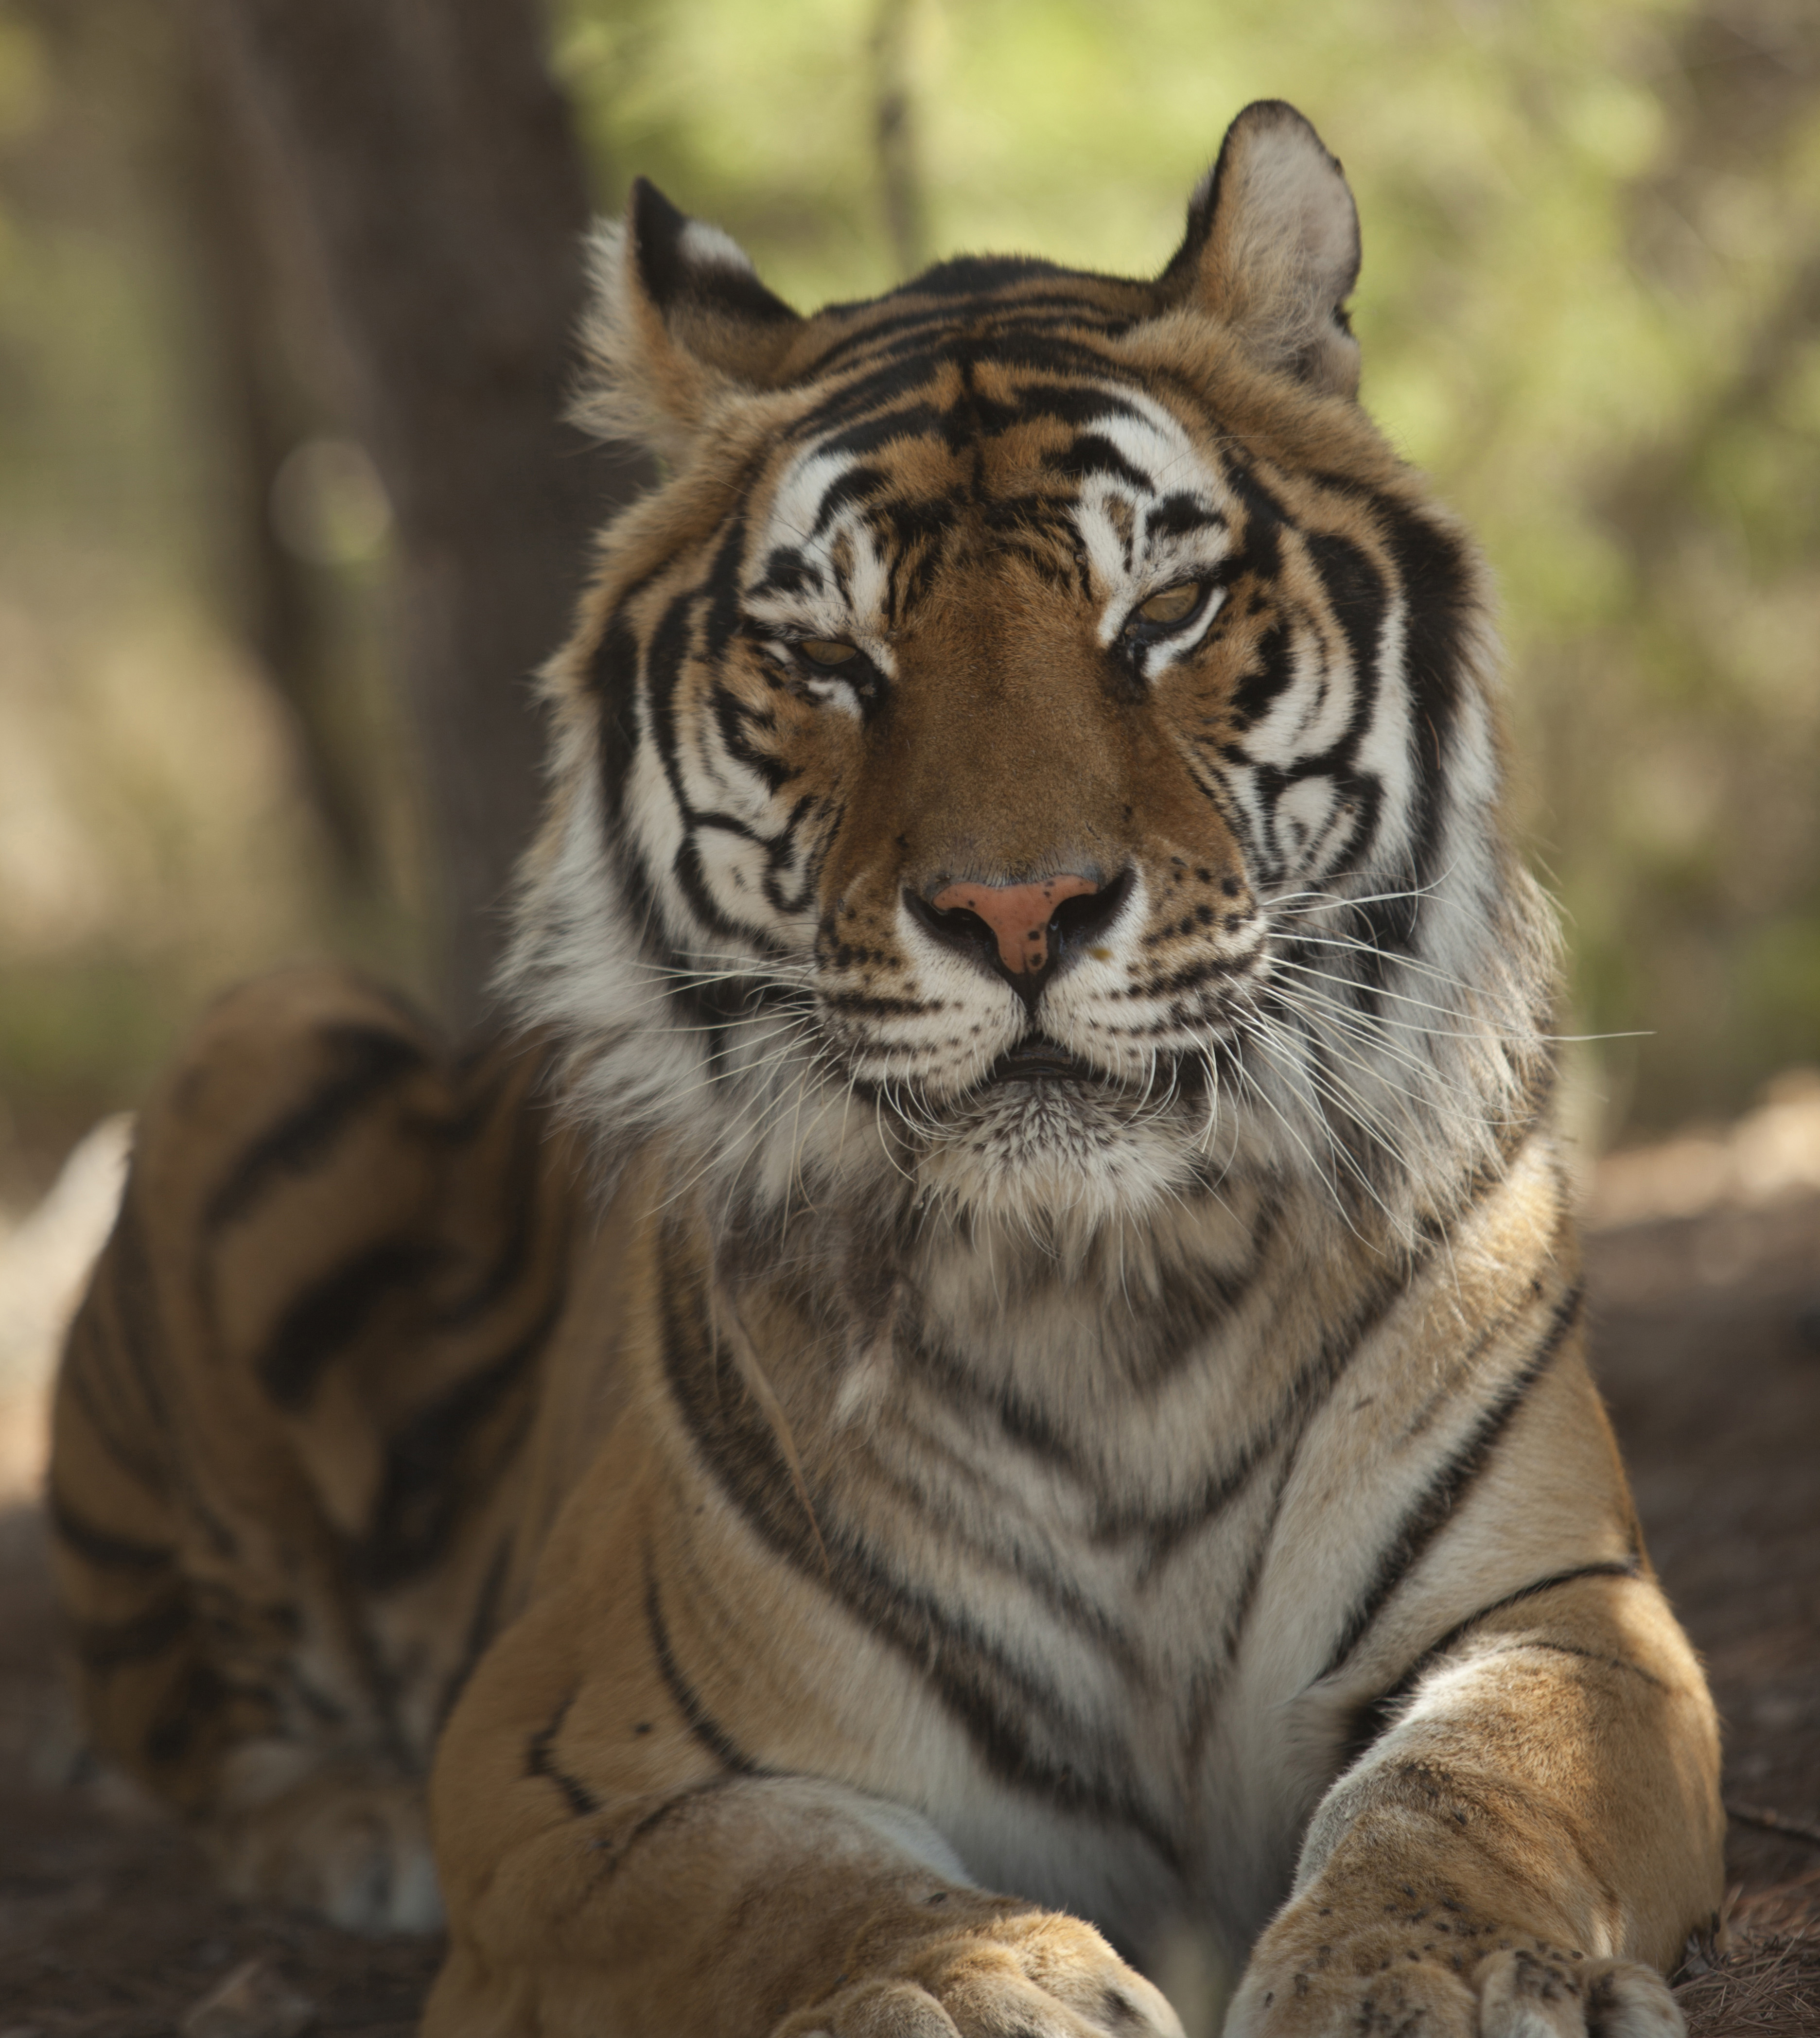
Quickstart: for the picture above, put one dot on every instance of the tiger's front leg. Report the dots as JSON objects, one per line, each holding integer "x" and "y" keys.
{"x": 1519, "y": 1856}
{"x": 612, "y": 1865}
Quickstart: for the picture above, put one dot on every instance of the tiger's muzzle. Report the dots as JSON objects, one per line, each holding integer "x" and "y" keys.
{"x": 1026, "y": 933}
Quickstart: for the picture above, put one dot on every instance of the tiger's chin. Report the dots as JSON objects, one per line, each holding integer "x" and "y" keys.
{"x": 1057, "y": 1160}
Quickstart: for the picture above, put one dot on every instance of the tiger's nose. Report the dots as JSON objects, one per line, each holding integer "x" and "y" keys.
{"x": 1024, "y": 933}
{"x": 1019, "y": 915}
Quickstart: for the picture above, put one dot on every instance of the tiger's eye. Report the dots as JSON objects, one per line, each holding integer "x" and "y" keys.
{"x": 1172, "y": 605}
{"x": 823, "y": 651}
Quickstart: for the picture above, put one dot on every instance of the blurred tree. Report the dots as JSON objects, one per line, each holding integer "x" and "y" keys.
{"x": 432, "y": 160}
{"x": 893, "y": 134}
{"x": 241, "y": 233}
{"x": 1686, "y": 790}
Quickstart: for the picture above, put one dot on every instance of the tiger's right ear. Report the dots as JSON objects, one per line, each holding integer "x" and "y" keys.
{"x": 679, "y": 320}
{"x": 1273, "y": 248}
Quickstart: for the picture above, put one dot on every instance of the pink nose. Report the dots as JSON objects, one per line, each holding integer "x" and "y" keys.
{"x": 1018, "y": 914}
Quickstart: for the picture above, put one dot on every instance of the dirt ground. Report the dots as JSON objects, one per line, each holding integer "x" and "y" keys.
{"x": 1709, "y": 1349}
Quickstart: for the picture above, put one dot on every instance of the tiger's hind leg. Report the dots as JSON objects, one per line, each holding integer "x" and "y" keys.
{"x": 288, "y": 1429}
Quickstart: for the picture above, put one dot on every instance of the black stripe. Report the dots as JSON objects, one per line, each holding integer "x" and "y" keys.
{"x": 1437, "y": 607}
{"x": 786, "y": 571}
{"x": 967, "y": 277}
{"x": 876, "y": 1007}
{"x": 1294, "y": 1416}
{"x": 1078, "y": 404}
{"x": 97, "y": 1546}
{"x": 924, "y": 316}
{"x": 1450, "y": 1486}
{"x": 610, "y": 1848}
{"x": 482, "y": 1082}
{"x": 538, "y": 1762}
{"x": 86, "y": 1352}
{"x": 680, "y": 1801}
{"x": 1437, "y": 590}
{"x": 364, "y": 1061}
{"x": 1093, "y": 453}
{"x": 103, "y": 1645}
{"x": 1177, "y": 514}
{"x": 1593, "y": 1655}
{"x": 1149, "y": 1353}
{"x": 1261, "y": 545}
{"x": 997, "y": 1702}
{"x": 1432, "y": 566}
{"x": 184, "y": 1709}
{"x": 857, "y": 484}
{"x": 1238, "y": 1613}
{"x": 1357, "y": 600}
{"x": 671, "y": 649}
{"x": 331, "y": 1313}
{"x": 741, "y": 727}
{"x": 135, "y": 1316}
{"x": 613, "y": 675}
{"x": 885, "y": 428}
{"x": 517, "y": 1185}
{"x": 701, "y": 1723}
{"x": 1376, "y": 1717}
{"x": 1296, "y": 1408}
{"x": 136, "y": 1312}
{"x": 664, "y": 656}
{"x": 422, "y": 1501}
{"x": 896, "y": 380}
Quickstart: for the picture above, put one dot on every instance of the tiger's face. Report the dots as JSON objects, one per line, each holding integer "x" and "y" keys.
{"x": 1037, "y": 748}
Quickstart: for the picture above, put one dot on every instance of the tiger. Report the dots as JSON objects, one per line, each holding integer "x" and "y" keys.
{"x": 988, "y": 1378}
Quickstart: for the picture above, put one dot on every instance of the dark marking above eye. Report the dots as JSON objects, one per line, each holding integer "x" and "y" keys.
{"x": 787, "y": 572}
{"x": 1094, "y": 453}
{"x": 1178, "y": 514}
{"x": 854, "y": 486}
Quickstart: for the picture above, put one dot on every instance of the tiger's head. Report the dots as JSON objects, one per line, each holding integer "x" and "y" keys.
{"x": 1035, "y": 755}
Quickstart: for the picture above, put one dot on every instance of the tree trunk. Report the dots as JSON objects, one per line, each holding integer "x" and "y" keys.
{"x": 433, "y": 160}
{"x": 247, "y": 356}
{"x": 894, "y": 136}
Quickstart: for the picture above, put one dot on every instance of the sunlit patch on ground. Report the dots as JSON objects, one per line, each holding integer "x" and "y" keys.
{"x": 44, "y": 1260}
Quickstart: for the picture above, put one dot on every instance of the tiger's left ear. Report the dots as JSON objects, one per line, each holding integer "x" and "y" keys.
{"x": 1272, "y": 248}
{"x": 679, "y": 320}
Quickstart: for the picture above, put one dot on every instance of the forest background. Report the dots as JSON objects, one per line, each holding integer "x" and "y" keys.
{"x": 1590, "y": 308}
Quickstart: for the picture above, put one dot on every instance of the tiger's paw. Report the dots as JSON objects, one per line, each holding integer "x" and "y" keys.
{"x": 349, "y": 1847}
{"x": 1016, "y": 1974}
{"x": 1522, "y": 1996}
{"x": 1369, "y": 1988}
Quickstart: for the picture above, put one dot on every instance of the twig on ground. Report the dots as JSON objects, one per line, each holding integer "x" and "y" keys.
{"x": 1773, "y": 1822}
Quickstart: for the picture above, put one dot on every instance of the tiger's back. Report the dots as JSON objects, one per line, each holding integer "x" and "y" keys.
{"x": 311, "y": 1421}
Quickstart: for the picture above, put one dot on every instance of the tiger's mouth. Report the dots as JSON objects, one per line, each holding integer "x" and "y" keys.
{"x": 1036, "y": 1059}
